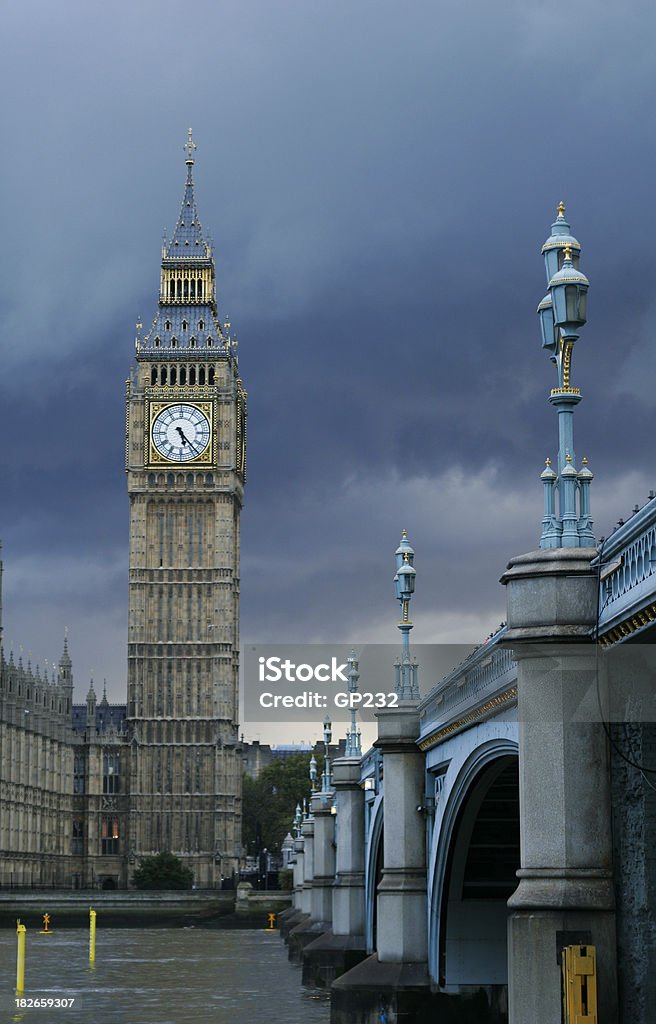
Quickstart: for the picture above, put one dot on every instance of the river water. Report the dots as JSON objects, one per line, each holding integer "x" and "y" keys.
{"x": 158, "y": 976}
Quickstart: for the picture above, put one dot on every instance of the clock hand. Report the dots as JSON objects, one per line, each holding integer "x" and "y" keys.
{"x": 181, "y": 432}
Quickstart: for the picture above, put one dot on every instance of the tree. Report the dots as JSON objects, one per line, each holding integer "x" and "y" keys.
{"x": 269, "y": 801}
{"x": 164, "y": 871}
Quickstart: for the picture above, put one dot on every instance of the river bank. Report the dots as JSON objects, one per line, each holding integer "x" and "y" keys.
{"x": 123, "y": 909}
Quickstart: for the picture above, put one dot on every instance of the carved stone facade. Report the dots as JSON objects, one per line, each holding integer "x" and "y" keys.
{"x": 63, "y": 793}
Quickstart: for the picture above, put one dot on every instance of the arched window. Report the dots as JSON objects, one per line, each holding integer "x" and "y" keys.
{"x": 153, "y": 375}
{"x": 209, "y": 342}
{"x": 162, "y": 375}
{"x": 174, "y": 376}
{"x": 170, "y": 480}
{"x": 179, "y": 287}
{"x": 201, "y": 325}
{"x": 200, "y": 288}
{"x": 171, "y": 289}
{"x": 209, "y": 479}
{"x": 190, "y": 479}
{"x": 183, "y": 375}
{"x": 201, "y": 375}
{"x": 174, "y": 341}
{"x": 185, "y": 289}
{"x": 184, "y": 325}
{"x": 151, "y": 480}
{"x": 168, "y": 325}
{"x": 211, "y": 375}
{"x": 192, "y": 342}
{"x": 156, "y": 342}
{"x": 192, "y": 289}
{"x": 192, "y": 375}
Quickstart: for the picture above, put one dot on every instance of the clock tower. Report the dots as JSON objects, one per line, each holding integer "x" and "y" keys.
{"x": 185, "y": 463}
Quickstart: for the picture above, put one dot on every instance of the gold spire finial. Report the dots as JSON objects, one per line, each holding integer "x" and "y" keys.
{"x": 568, "y": 458}
{"x": 568, "y": 252}
{"x": 547, "y": 461}
{"x": 561, "y": 210}
{"x": 404, "y": 534}
{"x": 190, "y": 146}
{"x": 584, "y": 461}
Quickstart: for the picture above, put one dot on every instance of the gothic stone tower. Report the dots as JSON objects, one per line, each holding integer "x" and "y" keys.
{"x": 185, "y": 462}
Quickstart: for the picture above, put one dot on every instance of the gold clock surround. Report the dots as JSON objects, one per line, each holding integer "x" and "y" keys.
{"x": 155, "y": 459}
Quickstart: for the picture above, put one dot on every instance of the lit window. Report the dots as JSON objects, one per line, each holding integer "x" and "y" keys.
{"x": 109, "y": 836}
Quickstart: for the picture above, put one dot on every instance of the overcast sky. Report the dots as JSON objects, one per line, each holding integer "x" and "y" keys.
{"x": 378, "y": 179}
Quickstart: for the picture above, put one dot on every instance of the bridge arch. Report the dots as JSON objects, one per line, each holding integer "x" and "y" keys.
{"x": 373, "y": 870}
{"x": 474, "y": 856}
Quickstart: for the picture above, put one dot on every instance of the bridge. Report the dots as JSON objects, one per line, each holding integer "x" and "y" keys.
{"x": 506, "y": 817}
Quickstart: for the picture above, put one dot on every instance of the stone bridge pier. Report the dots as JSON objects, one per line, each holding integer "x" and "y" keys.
{"x": 565, "y": 894}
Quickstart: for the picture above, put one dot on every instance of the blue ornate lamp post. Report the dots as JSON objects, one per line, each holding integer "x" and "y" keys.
{"x": 298, "y": 821}
{"x": 562, "y": 313}
{"x": 404, "y": 582}
{"x": 353, "y": 739}
{"x": 313, "y": 773}
{"x": 327, "y": 775}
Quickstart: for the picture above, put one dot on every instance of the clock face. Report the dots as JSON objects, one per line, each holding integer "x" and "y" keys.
{"x": 181, "y": 433}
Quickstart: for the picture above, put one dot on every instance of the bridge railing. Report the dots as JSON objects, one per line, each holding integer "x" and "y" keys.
{"x": 489, "y": 669}
{"x": 628, "y": 576}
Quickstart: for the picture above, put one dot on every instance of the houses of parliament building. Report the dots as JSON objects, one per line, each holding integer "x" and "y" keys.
{"x": 87, "y": 790}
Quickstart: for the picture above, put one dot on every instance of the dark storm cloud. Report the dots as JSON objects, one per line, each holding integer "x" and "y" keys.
{"x": 378, "y": 180}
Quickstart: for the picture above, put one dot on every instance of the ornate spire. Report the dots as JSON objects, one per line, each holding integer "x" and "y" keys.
{"x": 65, "y": 658}
{"x": 187, "y": 241}
{"x": 187, "y": 315}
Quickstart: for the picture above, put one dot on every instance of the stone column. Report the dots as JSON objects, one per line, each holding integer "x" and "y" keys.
{"x": 402, "y": 929}
{"x": 348, "y": 891}
{"x": 565, "y": 893}
{"x": 324, "y": 859}
{"x": 298, "y": 873}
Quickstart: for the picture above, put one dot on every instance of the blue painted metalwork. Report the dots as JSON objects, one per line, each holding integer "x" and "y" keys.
{"x": 327, "y": 774}
{"x": 488, "y": 672}
{"x": 407, "y": 685}
{"x": 566, "y": 521}
{"x": 353, "y": 737}
{"x": 627, "y": 599}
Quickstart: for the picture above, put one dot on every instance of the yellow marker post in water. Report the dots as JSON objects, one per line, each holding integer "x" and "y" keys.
{"x": 272, "y": 922}
{"x": 92, "y": 935}
{"x": 20, "y": 956}
{"x": 46, "y": 925}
